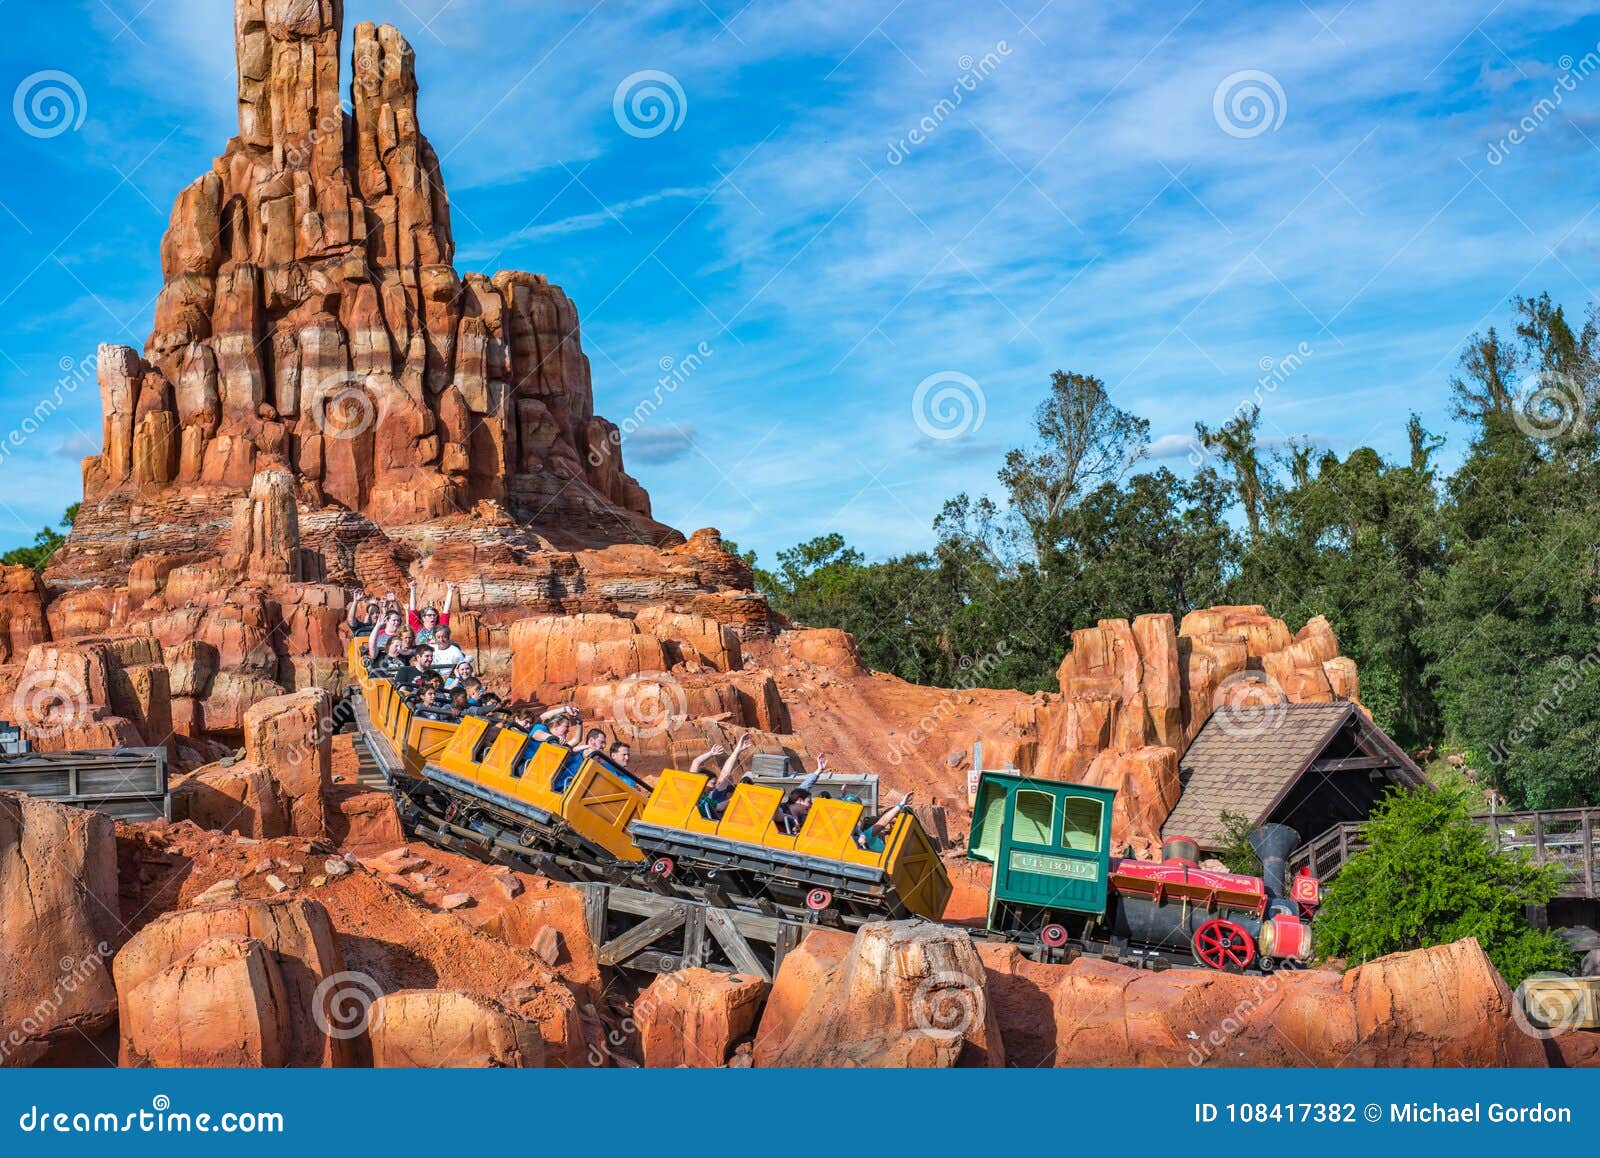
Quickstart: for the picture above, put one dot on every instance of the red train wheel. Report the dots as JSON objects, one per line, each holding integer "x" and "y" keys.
{"x": 818, "y": 899}
{"x": 662, "y": 866}
{"x": 1053, "y": 936}
{"x": 1224, "y": 944}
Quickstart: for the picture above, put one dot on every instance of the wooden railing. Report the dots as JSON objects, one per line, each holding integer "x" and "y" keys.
{"x": 1569, "y": 838}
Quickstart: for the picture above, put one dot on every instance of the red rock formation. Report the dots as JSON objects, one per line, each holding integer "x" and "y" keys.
{"x": 1146, "y": 783}
{"x": 1134, "y": 696}
{"x": 1434, "y": 1007}
{"x": 696, "y": 1017}
{"x": 905, "y": 994}
{"x": 312, "y": 323}
{"x": 390, "y": 927}
{"x": 325, "y": 402}
{"x": 436, "y": 1029}
{"x": 281, "y": 786}
{"x": 253, "y": 967}
{"x": 223, "y": 1004}
{"x": 22, "y": 617}
{"x": 58, "y": 924}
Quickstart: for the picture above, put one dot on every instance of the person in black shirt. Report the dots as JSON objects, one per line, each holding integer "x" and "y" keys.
{"x": 419, "y": 665}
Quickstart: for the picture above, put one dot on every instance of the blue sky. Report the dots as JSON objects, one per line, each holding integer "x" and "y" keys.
{"x": 1094, "y": 202}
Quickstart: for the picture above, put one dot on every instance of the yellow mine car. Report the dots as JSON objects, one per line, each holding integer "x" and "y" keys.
{"x": 489, "y": 790}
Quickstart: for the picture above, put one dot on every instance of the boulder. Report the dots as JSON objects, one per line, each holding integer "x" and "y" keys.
{"x": 240, "y": 797}
{"x": 22, "y": 616}
{"x": 362, "y": 819}
{"x": 1147, "y": 787}
{"x": 551, "y": 657}
{"x": 292, "y": 737}
{"x": 59, "y": 926}
{"x": 224, "y": 1005}
{"x": 693, "y": 638}
{"x": 696, "y": 1017}
{"x": 1445, "y": 1006}
{"x": 232, "y": 695}
{"x": 295, "y": 935}
{"x": 437, "y": 1029}
{"x": 1161, "y": 682}
{"x": 907, "y": 994}
{"x": 824, "y": 647}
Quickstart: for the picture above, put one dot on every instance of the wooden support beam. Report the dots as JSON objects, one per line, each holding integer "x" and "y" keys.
{"x": 721, "y": 926}
{"x": 594, "y": 912}
{"x": 1351, "y": 764}
{"x": 1588, "y": 856}
{"x": 789, "y": 936}
{"x": 694, "y": 938}
{"x": 636, "y": 938}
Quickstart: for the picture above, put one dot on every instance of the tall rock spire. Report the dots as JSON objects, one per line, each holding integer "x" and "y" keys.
{"x": 312, "y": 320}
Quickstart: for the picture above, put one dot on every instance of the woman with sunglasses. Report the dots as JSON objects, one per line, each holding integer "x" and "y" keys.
{"x": 429, "y": 619}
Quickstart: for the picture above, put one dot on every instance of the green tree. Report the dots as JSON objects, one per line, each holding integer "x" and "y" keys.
{"x": 1235, "y": 442}
{"x": 1429, "y": 877}
{"x": 1512, "y": 619}
{"x": 1358, "y": 540}
{"x": 1083, "y": 441}
{"x": 45, "y": 544}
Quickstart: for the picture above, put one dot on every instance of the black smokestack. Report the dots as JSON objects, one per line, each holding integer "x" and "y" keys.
{"x": 1273, "y": 843}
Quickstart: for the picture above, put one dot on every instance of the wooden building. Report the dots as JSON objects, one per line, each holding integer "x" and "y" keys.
{"x": 1310, "y": 766}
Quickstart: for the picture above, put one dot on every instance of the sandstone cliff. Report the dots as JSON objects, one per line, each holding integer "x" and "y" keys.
{"x": 312, "y": 320}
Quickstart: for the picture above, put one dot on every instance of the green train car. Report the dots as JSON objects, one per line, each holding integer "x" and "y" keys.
{"x": 1056, "y": 885}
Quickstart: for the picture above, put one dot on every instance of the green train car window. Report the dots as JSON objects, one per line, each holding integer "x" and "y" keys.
{"x": 988, "y": 819}
{"x": 1081, "y": 820}
{"x": 1033, "y": 820}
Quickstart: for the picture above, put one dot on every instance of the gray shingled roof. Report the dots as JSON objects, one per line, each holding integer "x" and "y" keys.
{"x": 1246, "y": 773}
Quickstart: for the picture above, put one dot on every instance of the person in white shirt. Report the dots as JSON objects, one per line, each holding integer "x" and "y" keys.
{"x": 446, "y": 654}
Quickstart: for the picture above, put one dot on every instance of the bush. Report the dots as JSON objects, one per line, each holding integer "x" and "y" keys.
{"x": 1237, "y": 854}
{"x": 1431, "y": 877}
